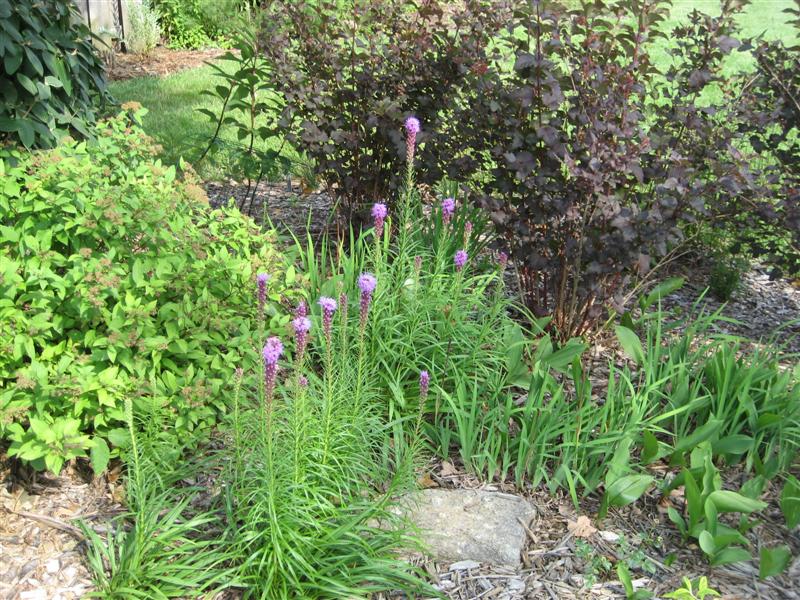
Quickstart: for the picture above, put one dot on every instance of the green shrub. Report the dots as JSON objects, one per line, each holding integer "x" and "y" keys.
{"x": 117, "y": 279}
{"x": 145, "y": 31}
{"x": 351, "y": 72}
{"x": 199, "y": 23}
{"x": 52, "y": 82}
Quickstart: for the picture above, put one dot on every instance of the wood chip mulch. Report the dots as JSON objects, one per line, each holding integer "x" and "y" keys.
{"x": 159, "y": 63}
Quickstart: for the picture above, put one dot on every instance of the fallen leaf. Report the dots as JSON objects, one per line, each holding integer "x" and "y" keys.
{"x": 581, "y": 528}
{"x": 447, "y": 469}
{"x": 426, "y": 481}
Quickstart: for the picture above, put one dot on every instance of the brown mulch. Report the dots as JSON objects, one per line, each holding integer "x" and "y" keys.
{"x": 40, "y": 546}
{"x": 159, "y": 63}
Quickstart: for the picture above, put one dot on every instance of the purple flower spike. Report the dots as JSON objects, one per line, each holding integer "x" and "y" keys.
{"x": 502, "y": 260}
{"x": 412, "y": 129}
{"x": 424, "y": 383}
{"x": 468, "y": 229}
{"x": 302, "y": 381}
{"x": 379, "y": 212}
{"x": 262, "y": 279}
{"x": 328, "y": 308}
{"x": 460, "y": 259}
{"x": 366, "y": 283}
{"x": 417, "y": 264}
{"x": 448, "y": 209}
{"x": 301, "y": 325}
{"x": 271, "y": 353}
{"x": 302, "y": 309}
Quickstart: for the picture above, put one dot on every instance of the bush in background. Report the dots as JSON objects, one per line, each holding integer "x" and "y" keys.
{"x": 53, "y": 82}
{"x": 349, "y": 77}
{"x": 145, "y": 31}
{"x": 118, "y": 280}
{"x": 200, "y": 23}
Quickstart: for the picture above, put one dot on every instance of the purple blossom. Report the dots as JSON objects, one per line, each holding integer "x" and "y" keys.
{"x": 412, "y": 126}
{"x": 412, "y": 129}
{"x": 417, "y": 264}
{"x": 467, "y": 230}
{"x": 379, "y": 212}
{"x": 302, "y": 309}
{"x": 502, "y": 259}
{"x": 302, "y": 381}
{"x": 366, "y": 283}
{"x": 262, "y": 279}
{"x": 424, "y": 383}
{"x": 328, "y": 308}
{"x": 460, "y": 259}
{"x": 448, "y": 209}
{"x": 301, "y": 325}
{"x": 271, "y": 353}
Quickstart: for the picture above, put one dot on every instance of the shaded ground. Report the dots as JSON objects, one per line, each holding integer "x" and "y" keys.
{"x": 158, "y": 63}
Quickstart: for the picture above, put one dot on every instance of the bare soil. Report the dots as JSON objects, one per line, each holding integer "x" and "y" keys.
{"x": 159, "y": 63}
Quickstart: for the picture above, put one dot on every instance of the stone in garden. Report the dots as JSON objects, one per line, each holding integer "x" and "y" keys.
{"x": 471, "y": 525}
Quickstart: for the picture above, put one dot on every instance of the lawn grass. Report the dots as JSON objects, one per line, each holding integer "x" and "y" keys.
{"x": 174, "y": 122}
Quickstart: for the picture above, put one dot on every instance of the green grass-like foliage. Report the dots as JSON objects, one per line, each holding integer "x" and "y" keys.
{"x": 117, "y": 280}
{"x": 53, "y": 81}
{"x": 311, "y": 477}
{"x": 162, "y": 546}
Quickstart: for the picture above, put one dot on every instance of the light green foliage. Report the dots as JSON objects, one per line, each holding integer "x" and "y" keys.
{"x": 790, "y": 502}
{"x": 117, "y": 280}
{"x": 696, "y": 590}
{"x": 144, "y": 31}
{"x": 200, "y": 23}
{"x": 161, "y": 546}
{"x": 705, "y": 501}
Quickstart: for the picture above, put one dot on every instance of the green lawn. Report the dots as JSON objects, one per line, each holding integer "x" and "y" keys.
{"x": 174, "y": 122}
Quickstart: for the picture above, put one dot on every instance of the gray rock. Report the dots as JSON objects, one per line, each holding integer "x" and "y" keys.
{"x": 461, "y": 525}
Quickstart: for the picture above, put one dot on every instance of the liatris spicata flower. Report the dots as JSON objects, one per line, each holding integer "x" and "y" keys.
{"x": 424, "y": 383}
{"x": 328, "y": 308}
{"x": 302, "y": 326}
{"x": 460, "y": 259}
{"x": 467, "y": 232}
{"x": 502, "y": 259}
{"x": 262, "y": 279}
{"x": 448, "y": 209}
{"x": 412, "y": 129}
{"x": 302, "y": 381}
{"x": 417, "y": 264}
{"x": 271, "y": 353}
{"x": 302, "y": 309}
{"x": 379, "y": 212}
{"x": 366, "y": 283}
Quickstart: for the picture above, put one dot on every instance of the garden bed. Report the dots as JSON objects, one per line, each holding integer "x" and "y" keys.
{"x": 159, "y": 63}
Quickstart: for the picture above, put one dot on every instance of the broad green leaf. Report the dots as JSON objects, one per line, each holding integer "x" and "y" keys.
{"x": 730, "y": 555}
{"x": 99, "y": 455}
{"x": 773, "y": 561}
{"x": 627, "y": 489}
{"x": 707, "y": 545}
{"x": 699, "y": 435}
{"x": 790, "y": 502}
{"x": 728, "y": 501}
{"x": 631, "y": 344}
{"x": 665, "y": 288}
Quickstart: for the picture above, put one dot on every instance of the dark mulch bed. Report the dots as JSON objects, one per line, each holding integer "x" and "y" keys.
{"x": 160, "y": 62}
